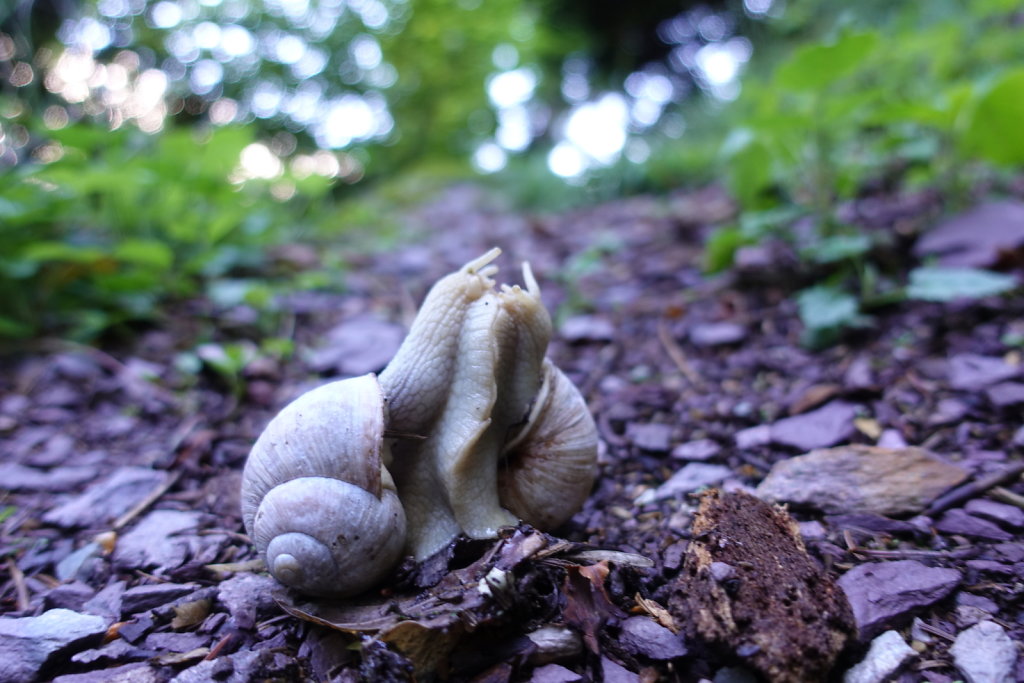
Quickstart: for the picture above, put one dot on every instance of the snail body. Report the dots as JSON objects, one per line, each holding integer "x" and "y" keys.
{"x": 502, "y": 435}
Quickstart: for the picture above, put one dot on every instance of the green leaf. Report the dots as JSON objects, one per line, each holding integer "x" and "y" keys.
{"x": 826, "y": 311}
{"x": 721, "y": 247}
{"x": 814, "y": 67}
{"x": 994, "y": 127}
{"x": 936, "y": 283}
{"x": 59, "y": 251}
{"x": 150, "y": 253}
{"x": 837, "y": 248}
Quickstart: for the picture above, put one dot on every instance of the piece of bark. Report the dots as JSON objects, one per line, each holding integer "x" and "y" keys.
{"x": 778, "y": 611}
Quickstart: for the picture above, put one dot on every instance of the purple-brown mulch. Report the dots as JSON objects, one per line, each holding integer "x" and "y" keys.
{"x": 124, "y": 554}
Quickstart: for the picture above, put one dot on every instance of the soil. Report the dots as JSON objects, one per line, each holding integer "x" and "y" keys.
{"x": 121, "y": 467}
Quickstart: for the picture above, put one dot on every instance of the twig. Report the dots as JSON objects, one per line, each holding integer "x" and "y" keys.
{"x": 954, "y": 554}
{"x": 20, "y": 589}
{"x": 221, "y": 644}
{"x": 974, "y": 488}
{"x": 935, "y": 631}
{"x": 675, "y": 352}
{"x": 1008, "y": 496}
{"x": 153, "y": 496}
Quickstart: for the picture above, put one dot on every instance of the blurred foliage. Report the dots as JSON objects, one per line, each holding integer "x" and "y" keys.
{"x": 99, "y": 228}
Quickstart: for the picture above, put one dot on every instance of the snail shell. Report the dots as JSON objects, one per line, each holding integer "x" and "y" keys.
{"x": 317, "y": 500}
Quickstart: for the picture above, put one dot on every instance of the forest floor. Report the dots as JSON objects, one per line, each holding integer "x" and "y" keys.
{"x": 124, "y": 555}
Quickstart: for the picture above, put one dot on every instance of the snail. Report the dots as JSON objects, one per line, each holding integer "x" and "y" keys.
{"x": 468, "y": 429}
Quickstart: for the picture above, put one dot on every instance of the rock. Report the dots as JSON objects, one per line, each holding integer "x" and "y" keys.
{"x": 701, "y": 449}
{"x": 248, "y": 597}
{"x": 887, "y": 654}
{"x": 360, "y": 344}
{"x": 18, "y": 477}
{"x": 613, "y": 672}
{"x": 688, "y": 479}
{"x": 554, "y": 673}
{"x": 554, "y": 643}
{"x": 28, "y": 645}
{"x": 957, "y": 521}
{"x": 985, "y": 654}
{"x": 1006, "y": 394}
{"x": 108, "y": 499}
{"x": 947, "y": 411}
{"x": 774, "y": 607}
{"x": 136, "y": 672}
{"x": 69, "y": 595}
{"x": 1006, "y": 515}
{"x": 977, "y": 237}
{"x": 141, "y": 598}
{"x": 761, "y": 435}
{"x": 885, "y": 594}
{"x": 581, "y": 328}
{"x": 644, "y": 636}
{"x": 865, "y": 479}
{"x": 717, "y": 334}
{"x": 819, "y": 428}
{"x": 970, "y": 372}
{"x": 151, "y": 543}
{"x": 654, "y": 436}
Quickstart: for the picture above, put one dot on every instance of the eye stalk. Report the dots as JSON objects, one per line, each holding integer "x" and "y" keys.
{"x": 468, "y": 429}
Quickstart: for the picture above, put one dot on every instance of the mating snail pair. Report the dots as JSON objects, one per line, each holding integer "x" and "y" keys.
{"x": 468, "y": 429}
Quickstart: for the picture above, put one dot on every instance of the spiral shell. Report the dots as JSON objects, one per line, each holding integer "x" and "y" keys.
{"x": 317, "y": 500}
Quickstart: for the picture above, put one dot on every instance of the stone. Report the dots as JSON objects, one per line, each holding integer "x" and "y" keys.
{"x": 17, "y": 477}
{"x": 108, "y": 499}
{"x": 752, "y": 437}
{"x": 655, "y": 436}
{"x": 887, "y": 655}
{"x": 151, "y": 543}
{"x": 554, "y": 673}
{"x": 984, "y": 653}
{"x": 688, "y": 479}
{"x": 885, "y": 595}
{"x": 700, "y": 449}
{"x": 582, "y": 328}
{"x": 644, "y": 636}
{"x": 1006, "y": 394}
{"x": 750, "y": 591}
{"x": 613, "y": 672}
{"x": 141, "y": 598}
{"x": 976, "y": 237}
{"x": 971, "y": 372}
{"x": 248, "y": 597}
{"x": 136, "y": 672}
{"x": 717, "y": 334}
{"x": 861, "y": 479}
{"x": 28, "y": 645}
{"x": 360, "y": 344}
{"x": 1006, "y": 515}
{"x": 819, "y": 428}
{"x": 958, "y": 521}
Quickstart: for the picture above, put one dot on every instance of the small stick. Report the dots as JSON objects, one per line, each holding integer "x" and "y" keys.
{"x": 153, "y": 496}
{"x": 1008, "y": 496}
{"x": 675, "y": 352}
{"x": 955, "y": 554}
{"x": 221, "y": 644}
{"x": 974, "y": 488}
{"x": 20, "y": 589}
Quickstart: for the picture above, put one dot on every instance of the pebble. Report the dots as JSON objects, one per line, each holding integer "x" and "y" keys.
{"x": 106, "y": 500}
{"x": 642, "y": 635}
{"x": 554, "y": 673}
{"x": 141, "y": 598}
{"x": 27, "y": 644}
{"x": 151, "y": 543}
{"x": 862, "y": 479}
{"x": 985, "y": 654}
{"x": 688, "y": 479}
{"x": 887, "y": 654}
{"x": 958, "y": 521}
{"x": 819, "y": 428}
{"x": 717, "y": 334}
{"x": 247, "y": 597}
{"x": 1006, "y": 394}
{"x": 583, "y": 328}
{"x": 972, "y": 372}
{"x": 18, "y": 477}
{"x": 700, "y": 449}
{"x": 885, "y": 594}
{"x": 1007, "y": 515}
{"x": 654, "y": 436}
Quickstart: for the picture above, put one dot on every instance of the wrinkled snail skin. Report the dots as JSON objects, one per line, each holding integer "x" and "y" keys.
{"x": 481, "y": 430}
{"x": 418, "y": 377}
{"x": 317, "y": 501}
